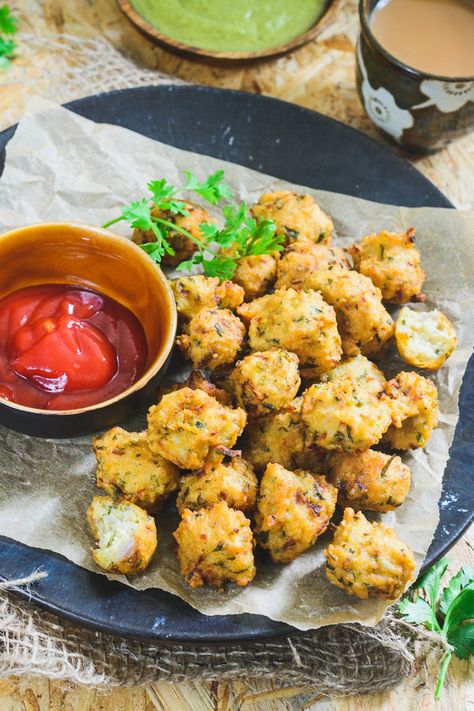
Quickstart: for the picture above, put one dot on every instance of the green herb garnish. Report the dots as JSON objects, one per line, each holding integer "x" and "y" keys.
{"x": 450, "y": 612}
{"x": 219, "y": 249}
{"x": 8, "y": 27}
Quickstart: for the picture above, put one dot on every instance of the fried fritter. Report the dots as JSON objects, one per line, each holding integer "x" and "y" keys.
{"x": 280, "y": 438}
{"x": 293, "y": 509}
{"x": 213, "y": 338}
{"x": 413, "y": 401}
{"x": 125, "y": 535}
{"x": 229, "y": 295}
{"x": 197, "y": 381}
{"x": 183, "y": 247}
{"x": 296, "y": 216}
{"x": 297, "y": 321}
{"x": 193, "y": 293}
{"x": 393, "y": 263}
{"x": 256, "y": 274}
{"x": 360, "y": 369}
{"x": 364, "y": 323}
{"x": 346, "y": 412}
{"x": 301, "y": 258}
{"x": 266, "y": 381}
{"x": 126, "y": 466}
{"x": 215, "y": 546}
{"x": 368, "y": 559}
{"x": 424, "y": 339}
{"x": 233, "y": 482}
{"x": 370, "y": 480}
{"x": 191, "y": 429}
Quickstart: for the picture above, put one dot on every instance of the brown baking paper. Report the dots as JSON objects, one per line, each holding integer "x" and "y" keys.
{"x": 60, "y": 166}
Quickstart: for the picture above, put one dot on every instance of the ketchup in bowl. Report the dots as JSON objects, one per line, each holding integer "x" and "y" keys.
{"x": 64, "y": 347}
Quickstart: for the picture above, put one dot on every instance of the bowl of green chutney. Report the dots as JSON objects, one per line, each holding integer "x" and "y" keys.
{"x": 230, "y": 30}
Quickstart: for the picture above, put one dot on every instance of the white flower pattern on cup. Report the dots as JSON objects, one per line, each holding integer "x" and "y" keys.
{"x": 447, "y": 96}
{"x": 382, "y": 107}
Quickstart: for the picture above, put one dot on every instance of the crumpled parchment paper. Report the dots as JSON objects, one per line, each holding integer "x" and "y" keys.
{"x": 63, "y": 167}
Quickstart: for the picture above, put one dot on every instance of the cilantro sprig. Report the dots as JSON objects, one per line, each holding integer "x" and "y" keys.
{"x": 220, "y": 248}
{"x": 448, "y": 612}
{"x": 8, "y": 27}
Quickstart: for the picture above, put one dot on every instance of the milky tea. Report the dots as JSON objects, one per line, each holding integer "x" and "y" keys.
{"x": 433, "y": 36}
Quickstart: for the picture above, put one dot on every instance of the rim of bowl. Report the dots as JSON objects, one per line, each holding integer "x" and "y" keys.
{"x": 156, "y": 365}
{"x": 227, "y": 55}
{"x": 411, "y": 71}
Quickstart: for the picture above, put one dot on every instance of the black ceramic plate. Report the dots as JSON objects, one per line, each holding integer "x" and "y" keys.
{"x": 299, "y": 146}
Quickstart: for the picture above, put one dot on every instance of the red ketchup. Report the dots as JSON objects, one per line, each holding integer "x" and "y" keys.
{"x": 64, "y": 347}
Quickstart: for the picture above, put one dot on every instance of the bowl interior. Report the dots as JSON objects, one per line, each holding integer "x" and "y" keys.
{"x": 64, "y": 253}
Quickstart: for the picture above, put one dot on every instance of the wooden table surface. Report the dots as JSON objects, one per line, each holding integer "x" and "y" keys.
{"x": 319, "y": 76}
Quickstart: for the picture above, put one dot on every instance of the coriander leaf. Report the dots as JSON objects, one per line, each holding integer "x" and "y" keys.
{"x": 7, "y": 47}
{"x": 458, "y": 582}
{"x": 138, "y": 214}
{"x": 8, "y": 23}
{"x": 462, "y": 639}
{"x": 264, "y": 240}
{"x": 160, "y": 190}
{"x": 209, "y": 231}
{"x": 222, "y": 267}
{"x": 186, "y": 266}
{"x": 213, "y": 189}
{"x": 418, "y": 612}
{"x": 457, "y": 626}
{"x": 431, "y": 580}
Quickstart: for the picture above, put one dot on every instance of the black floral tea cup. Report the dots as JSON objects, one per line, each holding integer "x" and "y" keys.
{"x": 419, "y": 111}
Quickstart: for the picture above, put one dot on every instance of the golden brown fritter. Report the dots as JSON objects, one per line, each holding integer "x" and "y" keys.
{"x": 266, "y": 381}
{"x": 183, "y": 247}
{"x": 197, "y": 381}
{"x": 424, "y": 339}
{"x": 215, "y": 546}
{"x": 194, "y": 293}
{"x": 293, "y": 509}
{"x": 125, "y": 535}
{"x": 393, "y": 263}
{"x": 297, "y": 321}
{"x": 233, "y": 482}
{"x": 229, "y": 295}
{"x": 280, "y": 438}
{"x": 213, "y": 338}
{"x": 346, "y": 411}
{"x": 369, "y": 480}
{"x": 296, "y": 216}
{"x": 256, "y": 274}
{"x": 191, "y": 429}
{"x": 413, "y": 401}
{"x": 301, "y": 258}
{"x": 368, "y": 559}
{"x": 360, "y": 369}
{"x": 127, "y": 467}
{"x": 364, "y": 323}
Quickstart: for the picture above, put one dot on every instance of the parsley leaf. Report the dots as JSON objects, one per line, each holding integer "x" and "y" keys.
{"x": 450, "y": 613}
{"x": 8, "y": 27}
{"x": 460, "y": 581}
{"x": 213, "y": 189}
{"x": 241, "y": 235}
{"x": 8, "y": 23}
{"x": 458, "y": 625}
{"x": 418, "y": 612}
{"x": 431, "y": 580}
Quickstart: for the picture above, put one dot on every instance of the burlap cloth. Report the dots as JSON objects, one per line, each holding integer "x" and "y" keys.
{"x": 341, "y": 659}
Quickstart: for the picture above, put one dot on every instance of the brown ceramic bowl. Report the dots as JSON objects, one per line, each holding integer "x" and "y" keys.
{"x": 226, "y": 57}
{"x": 69, "y": 253}
{"x": 421, "y": 112}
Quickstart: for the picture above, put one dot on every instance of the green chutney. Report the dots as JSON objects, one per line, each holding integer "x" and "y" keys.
{"x": 231, "y": 25}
